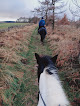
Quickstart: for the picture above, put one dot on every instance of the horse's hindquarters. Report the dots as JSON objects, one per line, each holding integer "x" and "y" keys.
{"x": 42, "y": 32}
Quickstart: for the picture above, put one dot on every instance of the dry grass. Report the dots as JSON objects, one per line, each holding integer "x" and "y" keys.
{"x": 65, "y": 41}
{"x": 12, "y": 42}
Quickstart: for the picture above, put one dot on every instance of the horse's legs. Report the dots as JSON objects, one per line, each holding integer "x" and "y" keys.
{"x": 42, "y": 38}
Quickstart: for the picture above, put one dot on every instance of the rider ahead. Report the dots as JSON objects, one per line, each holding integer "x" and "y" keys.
{"x": 42, "y": 30}
{"x": 41, "y": 23}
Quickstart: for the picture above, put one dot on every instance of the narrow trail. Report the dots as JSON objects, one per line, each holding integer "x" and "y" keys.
{"x": 23, "y": 85}
{"x": 35, "y": 46}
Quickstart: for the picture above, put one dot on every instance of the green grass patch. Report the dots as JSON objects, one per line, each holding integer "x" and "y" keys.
{"x": 6, "y": 25}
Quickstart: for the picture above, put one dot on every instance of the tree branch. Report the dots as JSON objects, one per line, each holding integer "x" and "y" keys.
{"x": 76, "y": 3}
{"x": 76, "y": 12}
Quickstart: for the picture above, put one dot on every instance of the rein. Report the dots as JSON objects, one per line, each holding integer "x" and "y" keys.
{"x": 42, "y": 99}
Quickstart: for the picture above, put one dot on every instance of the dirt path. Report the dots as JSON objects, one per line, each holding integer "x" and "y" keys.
{"x": 31, "y": 72}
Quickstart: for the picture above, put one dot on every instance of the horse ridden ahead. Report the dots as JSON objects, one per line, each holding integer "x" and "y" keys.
{"x": 42, "y": 30}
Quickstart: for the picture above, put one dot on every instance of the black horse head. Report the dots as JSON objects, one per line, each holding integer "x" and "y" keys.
{"x": 43, "y": 62}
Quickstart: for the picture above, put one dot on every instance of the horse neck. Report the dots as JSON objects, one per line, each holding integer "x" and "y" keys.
{"x": 51, "y": 89}
{"x": 47, "y": 81}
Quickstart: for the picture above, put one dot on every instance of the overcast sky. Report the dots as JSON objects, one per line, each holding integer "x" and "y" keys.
{"x": 13, "y": 9}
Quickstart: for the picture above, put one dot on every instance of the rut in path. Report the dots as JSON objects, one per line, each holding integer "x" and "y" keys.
{"x": 31, "y": 72}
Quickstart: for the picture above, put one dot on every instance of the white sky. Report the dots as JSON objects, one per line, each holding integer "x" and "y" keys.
{"x": 13, "y": 9}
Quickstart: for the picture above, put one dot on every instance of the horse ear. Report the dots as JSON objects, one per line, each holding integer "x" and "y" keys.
{"x": 37, "y": 58}
{"x": 54, "y": 59}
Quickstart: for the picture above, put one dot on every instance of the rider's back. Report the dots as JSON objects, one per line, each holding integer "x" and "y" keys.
{"x": 42, "y": 23}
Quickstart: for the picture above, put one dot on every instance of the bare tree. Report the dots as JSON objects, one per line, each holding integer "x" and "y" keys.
{"x": 44, "y": 9}
{"x": 76, "y": 2}
{"x": 53, "y": 3}
{"x": 60, "y": 9}
{"x": 76, "y": 10}
{"x": 49, "y": 7}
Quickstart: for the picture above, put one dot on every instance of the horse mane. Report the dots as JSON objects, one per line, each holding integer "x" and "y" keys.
{"x": 51, "y": 89}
